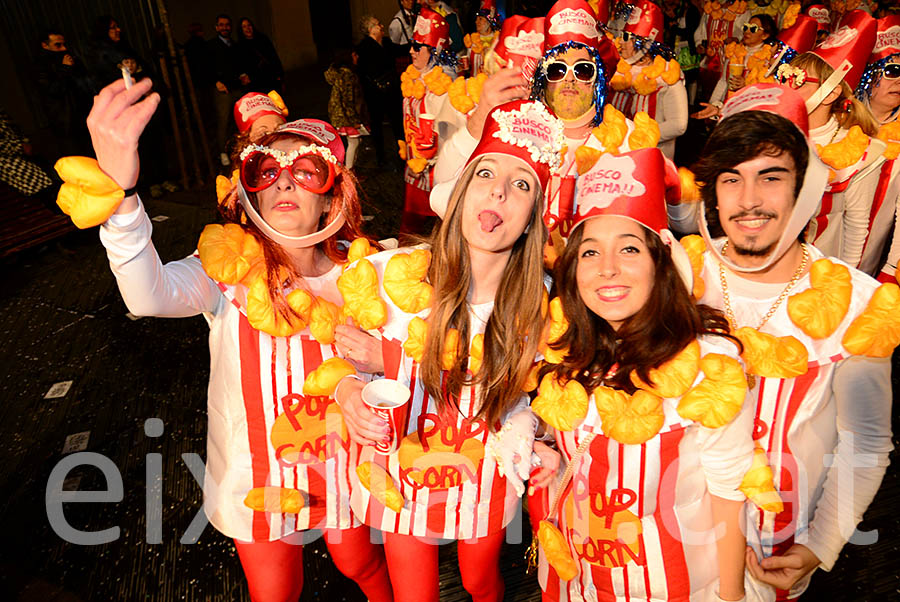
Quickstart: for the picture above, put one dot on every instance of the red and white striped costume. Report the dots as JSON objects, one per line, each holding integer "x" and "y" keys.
{"x": 840, "y": 406}
{"x": 468, "y": 498}
{"x": 882, "y": 216}
{"x": 477, "y": 59}
{"x": 668, "y": 105}
{"x": 255, "y": 380}
{"x": 713, "y": 34}
{"x": 841, "y": 224}
{"x": 418, "y": 185}
{"x": 658, "y": 490}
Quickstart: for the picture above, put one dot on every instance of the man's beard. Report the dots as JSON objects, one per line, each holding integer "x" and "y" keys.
{"x": 570, "y": 107}
{"x": 751, "y": 251}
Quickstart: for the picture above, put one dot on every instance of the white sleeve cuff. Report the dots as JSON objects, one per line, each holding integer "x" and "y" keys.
{"x": 126, "y": 221}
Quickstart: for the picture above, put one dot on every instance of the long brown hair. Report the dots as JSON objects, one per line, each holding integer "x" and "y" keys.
{"x": 855, "y": 113}
{"x": 344, "y": 200}
{"x": 667, "y": 322}
{"x": 514, "y": 327}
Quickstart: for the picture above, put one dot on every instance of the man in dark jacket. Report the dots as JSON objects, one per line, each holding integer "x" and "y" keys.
{"x": 231, "y": 80}
{"x": 380, "y": 83}
{"x": 66, "y": 92}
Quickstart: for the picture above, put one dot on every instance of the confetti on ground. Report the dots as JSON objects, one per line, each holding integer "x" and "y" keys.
{"x": 59, "y": 389}
{"x": 76, "y": 442}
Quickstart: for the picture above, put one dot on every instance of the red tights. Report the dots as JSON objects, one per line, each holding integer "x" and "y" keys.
{"x": 274, "y": 569}
{"x": 413, "y": 565}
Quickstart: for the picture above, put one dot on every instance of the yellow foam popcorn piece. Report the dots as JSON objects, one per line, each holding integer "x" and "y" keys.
{"x": 819, "y": 310}
{"x": 646, "y": 132}
{"x": 554, "y": 330}
{"x": 843, "y": 154}
{"x": 275, "y": 500}
{"x": 404, "y": 280}
{"x": 770, "y": 356}
{"x": 437, "y": 81}
{"x": 758, "y": 484}
{"x": 262, "y": 315}
{"x": 380, "y": 484}
{"x": 358, "y": 286}
{"x": 674, "y": 377}
{"x": 562, "y": 406}
{"x": 612, "y": 130}
{"x": 227, "y": 252}
{"x": 695, "y": 247}
{"x": 323, "y": 317}
{"x": 87, "y": 195}
{"x": 359, "y": 248}
{"x": 717, "y": 399}
{"x": 672, "y": 73}
{"x": 414, "y": 345}
{"x": 876, "y": 331}
{"x": 451, "y": 349}
{"x": 585, "y": 158}
{"x": 629, "y": 419}
{"x": 323, "y": 380}
{"x": 531, "y": 381}
{"x": 556, "y": 551}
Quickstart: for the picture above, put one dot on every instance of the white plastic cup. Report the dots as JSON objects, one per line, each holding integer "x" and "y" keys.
{"x": 388, "y": 399}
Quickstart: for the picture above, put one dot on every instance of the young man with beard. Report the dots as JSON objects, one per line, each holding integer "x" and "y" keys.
{"x": 816, "y": 352}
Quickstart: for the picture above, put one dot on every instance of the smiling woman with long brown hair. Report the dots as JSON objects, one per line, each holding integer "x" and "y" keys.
{"x": 646, "y": 400}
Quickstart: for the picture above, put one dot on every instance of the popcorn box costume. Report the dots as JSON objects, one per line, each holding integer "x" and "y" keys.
{"x": 636, "y": 510}
{"x": 275, "y": 433}
{"x": 447, "y": 486}
{"x": 817, "y": 368}
{"x": 423, "y": 94}
{"x": 479, "y": 44}
{"x": 841, "y": 225}
{"x": 657, "y": 89}
{"x": 884, "y": 203}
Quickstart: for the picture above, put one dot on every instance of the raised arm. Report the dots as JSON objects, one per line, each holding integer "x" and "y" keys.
{"x": 149, "y": 288}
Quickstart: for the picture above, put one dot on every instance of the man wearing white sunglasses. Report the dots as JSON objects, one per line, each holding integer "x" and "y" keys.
{"x": 571, "y": 78}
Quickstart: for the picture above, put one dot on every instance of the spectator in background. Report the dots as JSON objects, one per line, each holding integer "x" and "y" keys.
{"x": 259, "y": 55}
{"x": 400, "y": 31}
{"x": 231, "y": 79}
{"x": 107, "y": 50}
{"x": 346, "y": 107}
{"x": 66, "y": 92}
{"x": 197, "y": 53}
{"x": 380, "y": 83}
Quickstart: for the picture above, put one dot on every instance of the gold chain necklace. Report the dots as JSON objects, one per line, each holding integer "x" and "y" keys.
{"x": 729, "y": 313}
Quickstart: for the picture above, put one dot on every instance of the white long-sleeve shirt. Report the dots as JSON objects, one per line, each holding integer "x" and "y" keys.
{"x": 263, "y": 432}
{"x": 401, "y": 32}
{"x": 827, "y": 432}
